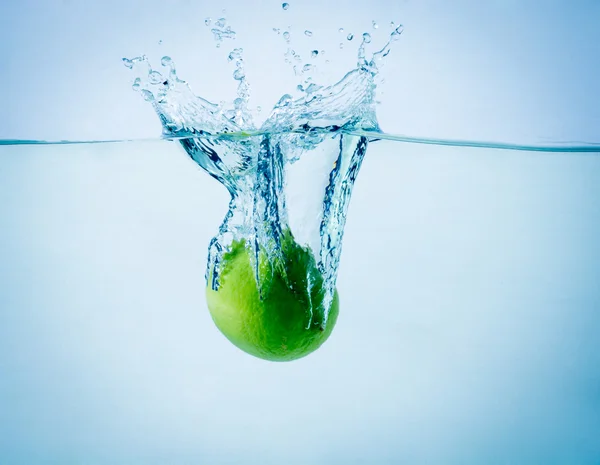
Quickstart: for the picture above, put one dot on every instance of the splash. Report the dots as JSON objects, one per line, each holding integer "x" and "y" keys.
{"x": 327, "y": 126}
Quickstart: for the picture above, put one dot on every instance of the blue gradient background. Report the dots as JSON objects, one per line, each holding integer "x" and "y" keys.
{"x": 470, "y": 279}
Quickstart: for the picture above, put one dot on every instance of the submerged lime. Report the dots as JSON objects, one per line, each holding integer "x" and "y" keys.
{"x": 283, "y": 320}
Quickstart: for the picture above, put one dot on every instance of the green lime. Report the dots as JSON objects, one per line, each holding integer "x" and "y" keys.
{"x": 283, "y": 320}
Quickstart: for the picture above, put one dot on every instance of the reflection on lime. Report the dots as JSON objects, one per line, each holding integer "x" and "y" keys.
{"x": 283, "y": 321}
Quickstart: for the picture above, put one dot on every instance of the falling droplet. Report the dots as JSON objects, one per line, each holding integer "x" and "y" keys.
{"x": 350, "y": 36}
{"x": 166, "y": 61}
{"x": 341, "y": 45}
{"x": 306, "y": 68}
{"x": 286, "y": 36}
{"x": 308, "y": 33}
{"x": 285, "y": 6}
{"x": 259, "y": 109}
{"x": 314, "y": 53}
{"x": 392, "y": 24}
{"x": 128, "y": 63}
{"x": 160, "y": 42}
{"x": 136, "y": 84}
{"x": 375, "y": 25}
{"x": 367, "y": 38}
{"x": 341, "y": 30}
{"x": 207, "y": 21}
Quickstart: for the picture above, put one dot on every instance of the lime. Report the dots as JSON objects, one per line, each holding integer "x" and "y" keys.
{"x": 285, "y": 318}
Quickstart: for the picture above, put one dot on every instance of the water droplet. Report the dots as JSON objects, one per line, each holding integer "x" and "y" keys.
{"x": 350, "y": 36}
{"x": 155, "y": 77}
{"x": 306, "y": 68}
{"x": 136, "y": 84}
{"x": 327, "y": 61}
{"x": 220, "y": 22}
{"x": 207, "y": 21}
{"x": 128, "y": 63}
{"x": 259, "y": 109}
{"x": 160, "y": 42}
{"x": 341, "y": 30}
{"x": 277, "y": 30}
{"x": 375, "y": 25}
{"x": 286, "y": 36}
{"x": 367, "y": 38}
{"x": 236, "y": 54}
{"x": 285, "y": 6}
{"x": 341, "y": 45}
{"x": 148, "y": 96}
{"x": 238, "y": 74}
{"x": 300, "y": 88}
{"x": 308, "y": 33}
{"x": 166, "y": 61}
{"x": 314, "y": 53}
{"x": 392, "y": 24}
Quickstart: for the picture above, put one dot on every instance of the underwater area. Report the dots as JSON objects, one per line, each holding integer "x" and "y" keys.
{"x": 436, "y": 169}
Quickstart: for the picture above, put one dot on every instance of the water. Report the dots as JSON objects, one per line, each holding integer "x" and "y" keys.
{"x": 469, "y": 303}
{"x": 472, "y": 301}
